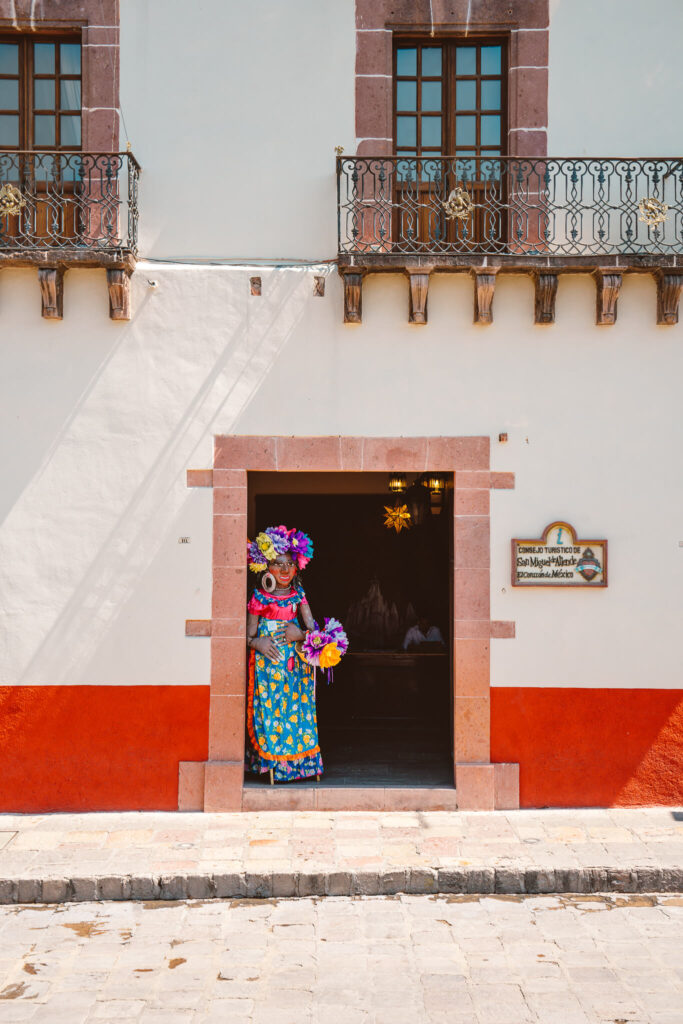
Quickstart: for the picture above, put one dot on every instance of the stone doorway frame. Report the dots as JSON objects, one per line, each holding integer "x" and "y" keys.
{"x": 217, "y": 784}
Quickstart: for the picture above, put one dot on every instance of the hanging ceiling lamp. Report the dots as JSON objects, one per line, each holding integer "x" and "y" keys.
{"x": 417, "y": 500}
{"x": 397, "y": 483}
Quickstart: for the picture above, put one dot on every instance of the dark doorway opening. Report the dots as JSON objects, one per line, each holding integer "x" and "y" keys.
{"x": 386, "y": 718}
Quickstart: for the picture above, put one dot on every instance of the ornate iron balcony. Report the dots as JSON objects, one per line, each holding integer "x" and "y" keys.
{"x": 515, "y": 208}
{"x": 76, "y": 207}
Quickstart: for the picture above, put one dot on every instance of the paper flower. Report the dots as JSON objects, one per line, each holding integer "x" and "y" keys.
{"x": 279, "y": 537}
{"x": 329, "y": 656}
{"x": 255, "y": 559}
{"x": 266, "y": 547}
{"x": 335, "y": 631}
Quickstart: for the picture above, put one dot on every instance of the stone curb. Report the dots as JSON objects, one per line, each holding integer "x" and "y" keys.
{"x": 269, "y": 885}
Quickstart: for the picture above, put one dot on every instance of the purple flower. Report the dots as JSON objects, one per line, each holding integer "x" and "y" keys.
{"x": 301, "y": 544}
{"x": 335, "y": 631}
{"x": 255, "y": 559}
{"x": 280, "y": 538}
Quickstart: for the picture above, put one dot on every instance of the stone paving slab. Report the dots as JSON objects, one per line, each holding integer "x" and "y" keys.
{"x": 54, "y": 858}
{"x": 371, "y": 960}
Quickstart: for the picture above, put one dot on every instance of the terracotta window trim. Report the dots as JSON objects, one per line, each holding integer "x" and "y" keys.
{"x": 526, "y": 30}
{"x": 97, "y": 24}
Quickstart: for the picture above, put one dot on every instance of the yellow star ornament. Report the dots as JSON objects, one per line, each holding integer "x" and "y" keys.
{"x": 397, "y": 517}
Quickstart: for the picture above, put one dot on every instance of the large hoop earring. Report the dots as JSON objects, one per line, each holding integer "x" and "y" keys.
{"x": 268, "y": 582}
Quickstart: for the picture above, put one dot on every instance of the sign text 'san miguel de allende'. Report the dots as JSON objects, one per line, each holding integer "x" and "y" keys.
{"x": 559, "y": 559}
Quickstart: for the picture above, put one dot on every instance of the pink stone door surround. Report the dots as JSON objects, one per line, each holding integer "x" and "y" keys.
{"x": 216, "y": 785}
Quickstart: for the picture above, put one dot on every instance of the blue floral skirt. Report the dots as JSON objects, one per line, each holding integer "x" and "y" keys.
{"x": 281, "y": 716}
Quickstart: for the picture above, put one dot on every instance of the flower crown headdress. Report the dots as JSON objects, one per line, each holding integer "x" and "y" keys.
{"x": 278, "y": 540}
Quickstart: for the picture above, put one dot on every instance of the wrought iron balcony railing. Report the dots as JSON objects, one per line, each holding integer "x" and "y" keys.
{"x": 68, "y": 203}
{"x": 509, "y": 206}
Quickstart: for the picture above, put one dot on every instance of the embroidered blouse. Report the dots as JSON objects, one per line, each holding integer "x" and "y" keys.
{"x": 276, "y": 606}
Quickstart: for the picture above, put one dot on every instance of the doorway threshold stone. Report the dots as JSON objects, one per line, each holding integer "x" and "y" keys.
{"x": 317, "y": 796}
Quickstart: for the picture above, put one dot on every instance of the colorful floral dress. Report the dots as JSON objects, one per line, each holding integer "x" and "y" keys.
{"x": 281, "y": 719}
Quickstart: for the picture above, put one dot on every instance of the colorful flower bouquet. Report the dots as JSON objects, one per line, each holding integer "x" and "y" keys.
{"x": 324, "y": 648}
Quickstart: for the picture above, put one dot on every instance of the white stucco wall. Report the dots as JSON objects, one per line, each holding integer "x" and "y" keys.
{"x": 104, "y": 419}
{"x": 615, "y": 78}
{"x": 234, "y": 110}
{"x": 234, "y": 114}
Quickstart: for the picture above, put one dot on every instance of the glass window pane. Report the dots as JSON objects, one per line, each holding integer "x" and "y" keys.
{"x": 44, "y": 93}
{"x": 70, "y": 94}
{"x": 431, "y": 60}
{"x": 9, "y": 59}
{"x": 431, "y": 131}
{"x": 44, "y": 130}
{"x": 406, "y": 61}
{"x": 465, "y": 95}
{"x": 490, "y": 95}
{"x": 9, "y": 94}
{"x": 490, "y": 60}
{"x": 406, "y": 95}
{"x": 465, "y": 60}
{"x": 9, "y": 130}
{"x": 44, "y": 58}
{"x": 490, "y": 130}
{"x": 70, "y": 130}
{"x": 431, "y": 95}
{"x": 70, "y": 59}
{"x": 466, "y": 131}
{"x": 406, "y": 131}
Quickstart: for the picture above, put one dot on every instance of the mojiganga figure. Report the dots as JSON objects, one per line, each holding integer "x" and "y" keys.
{"x": 281, "y": 715}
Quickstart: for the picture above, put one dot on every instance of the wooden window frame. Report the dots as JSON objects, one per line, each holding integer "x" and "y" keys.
{"x": 448, "y": 110}
{"x": 27, "y": 77}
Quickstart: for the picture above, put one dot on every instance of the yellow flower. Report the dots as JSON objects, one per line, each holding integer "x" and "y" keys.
{"x": 266, "y": 546}
{"x": 329, "y": 656}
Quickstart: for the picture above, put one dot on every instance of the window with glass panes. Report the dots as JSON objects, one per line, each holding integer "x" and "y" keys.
{"x": 450, "y": 98}
{"x": 40, "y": 93}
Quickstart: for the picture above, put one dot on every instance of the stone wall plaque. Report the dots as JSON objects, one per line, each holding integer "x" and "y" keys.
{"x": 559, "y": 559}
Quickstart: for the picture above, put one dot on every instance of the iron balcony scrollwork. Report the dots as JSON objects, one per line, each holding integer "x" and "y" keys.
{"x": 522, "y": 206}
{"x": 68, "y": 202}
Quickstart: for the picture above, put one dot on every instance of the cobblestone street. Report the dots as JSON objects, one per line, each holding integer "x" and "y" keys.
{"x": 376, "y": 960}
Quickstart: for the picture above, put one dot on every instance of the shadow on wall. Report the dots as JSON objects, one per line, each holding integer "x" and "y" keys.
{"x": 88, "y": 524}
{"x": 590, "y": 747}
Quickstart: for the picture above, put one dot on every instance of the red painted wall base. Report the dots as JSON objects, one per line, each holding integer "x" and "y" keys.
{"x": 98, "y": 748}
{"x": 109, "y": 748}
{"x": 591, "y": 747}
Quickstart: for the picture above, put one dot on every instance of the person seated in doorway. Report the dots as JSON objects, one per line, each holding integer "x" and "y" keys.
{"x": 422, "y": 633}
